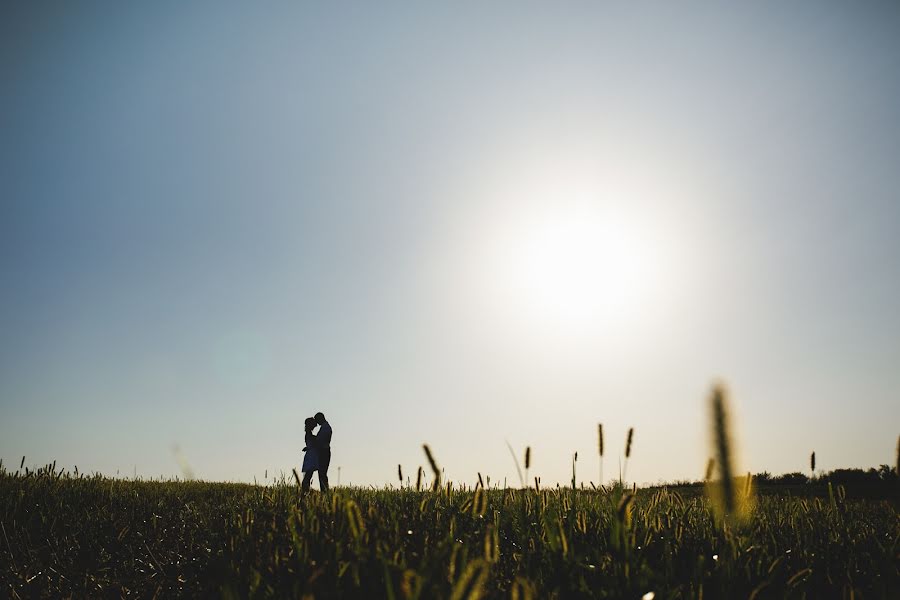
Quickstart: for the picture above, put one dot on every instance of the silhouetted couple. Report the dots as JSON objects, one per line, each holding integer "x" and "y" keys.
{"x": 318, "y": 452}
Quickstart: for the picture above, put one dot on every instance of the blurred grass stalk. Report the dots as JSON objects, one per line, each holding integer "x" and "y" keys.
{"x": 731, "y": 497}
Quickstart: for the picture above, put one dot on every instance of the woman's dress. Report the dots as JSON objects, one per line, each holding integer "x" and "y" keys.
{"x": 311, "y": 458}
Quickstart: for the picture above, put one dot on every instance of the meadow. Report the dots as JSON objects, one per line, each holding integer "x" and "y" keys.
{"x": 71, "y": 535}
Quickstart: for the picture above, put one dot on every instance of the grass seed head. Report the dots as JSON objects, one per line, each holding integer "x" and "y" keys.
{"x": 624, "y": 508}
{"x": 722, "y": 437}
{"x": 528, "y": 457}
{"x": 628, "y": 442}
{"x": 434, "y": 467}
{"x": 600, "y": 438}
{"x": 724, "y": 493}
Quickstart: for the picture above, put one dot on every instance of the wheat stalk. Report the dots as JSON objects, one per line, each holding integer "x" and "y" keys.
{"x": 624, "y": 476}
{"x": 436, "y": 485}
{"x": 724, "y": 495}
{"x": 723, "y": 447}
{"x": 574, "y": 460}
{"x": 527, "y": 461}
{"x": 600, "y": 450}
{"x": 516, "y": 461}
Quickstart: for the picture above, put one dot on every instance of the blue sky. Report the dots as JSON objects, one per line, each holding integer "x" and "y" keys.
{"x": 460, "y": 225}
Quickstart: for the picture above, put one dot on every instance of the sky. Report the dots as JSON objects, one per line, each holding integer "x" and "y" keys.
{"x": 465, "y": 226}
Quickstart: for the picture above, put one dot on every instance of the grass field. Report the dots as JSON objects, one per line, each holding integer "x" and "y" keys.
{"x": 66, "y": 535}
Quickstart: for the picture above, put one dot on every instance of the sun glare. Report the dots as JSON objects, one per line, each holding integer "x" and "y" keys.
{"x": 576, "y": 270}
{"x": 569, "y": 256}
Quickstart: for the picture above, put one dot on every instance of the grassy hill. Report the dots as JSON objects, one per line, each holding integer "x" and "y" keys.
{"x": 66, "y": 535}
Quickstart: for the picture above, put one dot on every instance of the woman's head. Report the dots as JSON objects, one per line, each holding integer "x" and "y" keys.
{"x": 310, "y": 424}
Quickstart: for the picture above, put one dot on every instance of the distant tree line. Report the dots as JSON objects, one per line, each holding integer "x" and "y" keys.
{"x": 880, "y": 483}
{"x": 883, "y": 475}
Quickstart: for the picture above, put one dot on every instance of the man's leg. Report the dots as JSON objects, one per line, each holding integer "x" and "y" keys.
{"x": 307, "y": 479}
{"x": 324, "y": 461}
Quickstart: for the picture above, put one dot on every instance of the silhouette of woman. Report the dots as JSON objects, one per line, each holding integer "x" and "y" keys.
{"x": 311, "y": 458}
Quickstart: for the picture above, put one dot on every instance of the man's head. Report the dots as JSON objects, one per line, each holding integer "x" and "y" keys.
{"x": 320, "y": 418}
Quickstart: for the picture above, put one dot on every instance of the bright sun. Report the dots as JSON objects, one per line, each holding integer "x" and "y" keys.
{"x": 574, "y": 270}
{"x": 567, "y": 250}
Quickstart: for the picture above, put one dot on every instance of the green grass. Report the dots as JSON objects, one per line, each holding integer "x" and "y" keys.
{"x": 93, "y": 536}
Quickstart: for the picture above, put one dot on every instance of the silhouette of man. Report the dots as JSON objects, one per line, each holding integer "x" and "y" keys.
{"x": 323, "y": 442}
